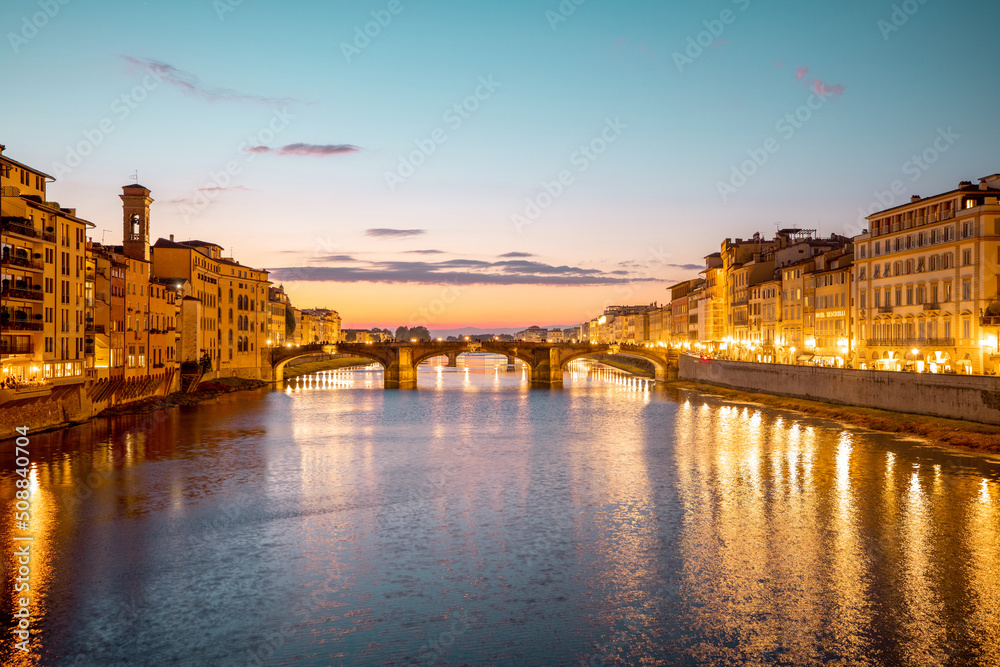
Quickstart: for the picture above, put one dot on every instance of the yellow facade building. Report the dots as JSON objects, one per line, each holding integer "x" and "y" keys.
{"x": 926, "y": 284}
{"x": 43, "y": 283}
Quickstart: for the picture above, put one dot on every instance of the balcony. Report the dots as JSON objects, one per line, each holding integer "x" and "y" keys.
{"x": 22, "y": 294}
{"x": 910, "y": 342}
{"x": 95, "y": 329}
{"x": 22, "y": 263}
{"x": 932, "y": 306}
{"x": 884, "y": 309}
{"x": 16, "y": 345}
{"x": 23, "y": 227}
{"x": 990, "y": 321}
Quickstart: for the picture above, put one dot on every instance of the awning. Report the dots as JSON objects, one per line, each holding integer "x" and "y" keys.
{"x": 805, "y": 357}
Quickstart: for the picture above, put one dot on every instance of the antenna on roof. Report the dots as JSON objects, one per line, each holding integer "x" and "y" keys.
{"x": 135, "y": 177}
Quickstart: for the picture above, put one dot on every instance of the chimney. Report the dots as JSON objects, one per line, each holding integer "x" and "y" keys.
{"x": 914, "y": 199}
{"x": 171, "y": 237}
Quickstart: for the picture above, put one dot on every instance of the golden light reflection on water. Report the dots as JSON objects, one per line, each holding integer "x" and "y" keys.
{"x": 41, "y": 527}
{"x": 795, "y": 532}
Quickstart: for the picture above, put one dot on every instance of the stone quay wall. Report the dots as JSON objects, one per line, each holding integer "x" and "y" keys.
{"x": 970, "y": 397}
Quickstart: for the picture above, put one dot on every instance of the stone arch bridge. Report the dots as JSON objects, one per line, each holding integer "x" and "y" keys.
{"x": 545, "y": 361}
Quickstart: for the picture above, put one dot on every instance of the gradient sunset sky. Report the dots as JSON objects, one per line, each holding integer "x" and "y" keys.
{"x": 277, "y": 132}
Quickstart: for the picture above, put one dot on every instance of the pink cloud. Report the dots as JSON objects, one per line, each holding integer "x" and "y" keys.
{"x": 719, "y": 42}
{"x": 824, "y": 90}
{"x": 621, "y": 43}
{"x": 801, "y": 72}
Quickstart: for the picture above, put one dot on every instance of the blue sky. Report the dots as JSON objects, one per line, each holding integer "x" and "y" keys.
{"x": 638, "y": 217}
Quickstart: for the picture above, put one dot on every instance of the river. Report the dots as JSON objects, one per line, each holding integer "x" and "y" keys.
{"x": 479, "y": 521}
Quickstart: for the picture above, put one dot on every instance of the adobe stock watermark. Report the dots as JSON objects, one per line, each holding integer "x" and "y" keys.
{"x": 581, "y": 159}
{"x": 220, "y": 181}
{"x": 454, "y": 117}
{"x": 714, "y": 28}
{"x": 438, "y": 306}
{"x": 562, "y": 12}
{"x": 121, "y": 108}
{"x": 364, "y": 34}
{"x": 786, "y": 127}
{"x": 31, "y": 25}
{"x": 914, "y": 168}
{"x": 223, "y": 7}
{"x": 899, "y": 17}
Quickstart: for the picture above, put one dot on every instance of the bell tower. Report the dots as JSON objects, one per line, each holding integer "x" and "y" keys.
{"x": 135, "y": 209}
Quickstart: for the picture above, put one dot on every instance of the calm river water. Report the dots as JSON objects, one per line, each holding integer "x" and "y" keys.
{"x": 479, "y": 522}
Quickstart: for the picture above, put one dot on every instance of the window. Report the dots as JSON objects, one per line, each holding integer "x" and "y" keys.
{"x": 861, "y": 300}
{"x": 899, "y": 296}
{"x": 875, "y": 271}
{"x": 878, "y": 300}
{"x": 946, "y": 260}
{"x": 966, "y": 329}
{"x": 947, "y": 294}
{"x": 966, "y": 258}
{"x": 966, "y": 291}
{"x": 909, "y": 296}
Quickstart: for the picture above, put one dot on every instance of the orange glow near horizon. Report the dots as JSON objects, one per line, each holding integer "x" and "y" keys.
{"x": 367, "y": 305}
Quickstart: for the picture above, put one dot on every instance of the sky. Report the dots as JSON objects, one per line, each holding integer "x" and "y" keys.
{"x": 495, "y": 164}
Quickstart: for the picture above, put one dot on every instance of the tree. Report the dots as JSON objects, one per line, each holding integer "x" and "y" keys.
{"x": 403, "y": 334}
{"x": 420, "y": 333}
{"x": 289, "y": 323}
{"x": 350, "y": 337}
{"x": 206, "y": 363}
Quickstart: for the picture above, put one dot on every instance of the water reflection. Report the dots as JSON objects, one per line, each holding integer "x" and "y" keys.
{"x": 480, "y": 521}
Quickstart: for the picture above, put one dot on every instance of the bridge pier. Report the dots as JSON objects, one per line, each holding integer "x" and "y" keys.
{"x": 453, "y": 360}
{"x": 401, "y": 373}
{"x": 511, "y": 360}
{"x": 547, "y": 370}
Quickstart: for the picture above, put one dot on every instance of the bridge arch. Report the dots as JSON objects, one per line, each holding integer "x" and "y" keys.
{"x": 662, "y": 369}
{"x": 526, "y": 358}
{"x": 278, "y": 367}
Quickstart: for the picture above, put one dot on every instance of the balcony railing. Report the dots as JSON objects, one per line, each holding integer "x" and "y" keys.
{"x": 21, "y": 325}
{"x": 16, "y": 345}
{"x": 990, "y": 321}
{"x": 95, "y": 329}
{"x": 932, "y": 306}
{"x": 910, "y": 342}
{"x": 22, "y": 294}
{"x": 22, "y": 262}
{"x": 23, "y": 227}
{"x": 884, "y": 309}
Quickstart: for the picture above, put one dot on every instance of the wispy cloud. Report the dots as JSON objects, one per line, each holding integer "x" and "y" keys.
{"x": 190, "y": 84}
{"x": 514, "y": 255}
{"x": 460, "y": 272}
{"x": 801, "y": 72}
{"x": 383, "y": 232}
{"x": 216, "y": 188}
{"x": 425, "y": 252}
{"x": 306, "y": 149}
{"x": 335, "y": 258}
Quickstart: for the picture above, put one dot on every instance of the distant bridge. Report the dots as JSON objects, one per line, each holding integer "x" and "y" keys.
{"x": 545, "y": 361}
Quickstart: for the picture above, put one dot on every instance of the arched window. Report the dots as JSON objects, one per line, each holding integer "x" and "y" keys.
{"x": 230, "y": 337}
{"x": 909, "y": 266}
{"x": 230, "y": 295}
{"x": 230, "y": 315}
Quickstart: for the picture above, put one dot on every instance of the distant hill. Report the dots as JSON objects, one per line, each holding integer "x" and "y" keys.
{"x": 473, "y": 331}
